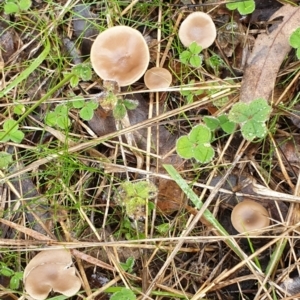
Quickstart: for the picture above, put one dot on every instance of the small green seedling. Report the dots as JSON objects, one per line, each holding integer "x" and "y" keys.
{"x": 133, "y": 197}
{"x": 11, "y": 132}
{"x": 123, "y": 294}
{"x": 196, "y": 145}
{"x": 87, "y": 108}
{"x": 192, "y": 55}
{"x": 81, "y": 72}
{"x": 295, "y": 41}
{"x": 16, "y": 6}
{"x": 121, "y": 107}
{"x": 59, "y": 117}
{"x": 189, "y": 94}
{"x": 163, "y": 228}
{"x": 215, "y": 62}
{"x": 131, "y": 230}
{"x": 243, "y": 7}
{"x": 213, "y": 89}
{"x": 222, "y": 122}
{"x": 128, "y": 265}
{"x": 5, "y": 159}
{"x": 251, "y": 117}
{"x": 15, "y": 277}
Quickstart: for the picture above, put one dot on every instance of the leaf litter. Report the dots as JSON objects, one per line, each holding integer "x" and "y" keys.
{"x": 270, "y": 50}
{"x": 170, "y": 198}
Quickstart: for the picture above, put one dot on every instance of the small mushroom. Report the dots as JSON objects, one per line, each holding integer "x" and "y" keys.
{"x": 157, "y": 78}
{"x": 197, "y": 27}
{"x": 249, "y": 215}
{"x": 51, "y": 270}
{"x": 120, "y": 54}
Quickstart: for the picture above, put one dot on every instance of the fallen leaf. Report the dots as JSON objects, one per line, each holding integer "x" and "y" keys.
{"x": 267, "y": 56}
{"x": 8, "y": 41}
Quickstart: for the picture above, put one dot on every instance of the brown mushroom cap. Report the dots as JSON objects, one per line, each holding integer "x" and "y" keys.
{"x": 249, "y": 215}
{"x": 51, "y": 270}
{"x": 157, "y": 78}
{"x": 197, "y": 27}
{"x": 120, "y": 54}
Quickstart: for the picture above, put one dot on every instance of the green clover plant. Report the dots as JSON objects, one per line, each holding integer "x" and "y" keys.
{"x": 251, "y": 117}
{"x": 196, "y": 144}
{"x": 189, "y": 94}
{"x": 81, "y": 71}
{"x": 15, "y": 277}
{"x": 295, "y": 41}
{"x": 16, "y": 6}
{"x": 163, "y": 228}
{"x": 130, "y": 229}
{"x": 243, "y": 7}
{"x": 128, "y": 265}
{"x": 87, "y": 108}
{"x": 133, "y": 197}
{"x": 11, "y": 132}
{"x": 214, "y": 123}
{"x": 192, "y": 55}
{"x": 121, "y": 107}
{"x": 5, "y": 159}
{"x": 59, "y": 117}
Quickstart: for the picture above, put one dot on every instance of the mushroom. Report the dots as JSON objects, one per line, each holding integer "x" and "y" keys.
{"x": 157, "y": 78}
{"x": 197, "y": 27}
{"x": 51, "y": 270}
{"x": 249, "y": 215}
{"x": 120, "y": 54}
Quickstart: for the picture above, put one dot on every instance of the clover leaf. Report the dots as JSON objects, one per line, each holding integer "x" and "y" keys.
{"x": 87, "y": 108}
{"x": 5, "y": 159}
{"x": 133, "y": 196}
{"x": 252, "y": 129}
{"x": 196, "y": 145}
{"x": 58, "y": 117}
{"x": 243, "y": 7}
{"x": 222, "y": 121}
{"x": 13, "y": 6}
{"x": 121, "y": 107}
{"x": 192, "y": 55}
{"x": 128, "y": 265}
{"x": 295, "y": 41}
{"x": 81, "y": 71}
{"x": 226, "y": 125}
{"x": 251, "y": 117}
{"x": 211, "y": 122}
{"x": 295, "y": 38}
{"x": 11, "y": 132}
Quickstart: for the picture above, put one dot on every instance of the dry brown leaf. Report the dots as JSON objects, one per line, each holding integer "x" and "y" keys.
{"x": 268, "y": 53}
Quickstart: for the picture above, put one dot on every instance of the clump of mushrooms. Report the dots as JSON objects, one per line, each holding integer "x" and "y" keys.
{"x": 120, "y": 54}
{"x": 249, "y": 215}
{"x": 157, "y": 78}
{"x": 197, "y": 27}
{"x": 51, "y": 270}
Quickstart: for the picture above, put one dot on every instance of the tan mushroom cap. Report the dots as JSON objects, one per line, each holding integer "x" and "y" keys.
{"x": 51, "y": 270}
{"x": 249, "y": 215}
{"x": 157, "y": 78}
{"x": 198, "y": 27}
{"x": 120, "y": 54}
